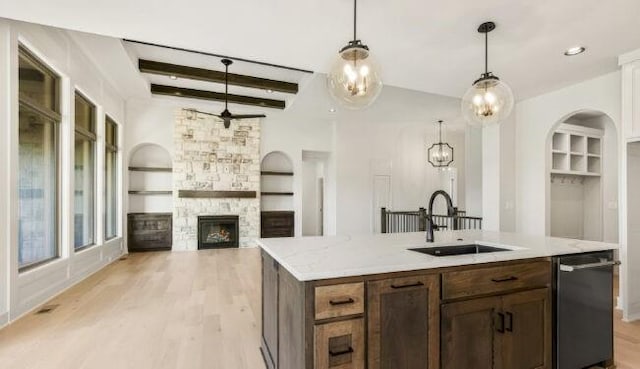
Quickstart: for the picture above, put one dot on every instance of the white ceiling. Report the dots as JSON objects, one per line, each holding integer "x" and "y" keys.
{"x": 426, "y": 45}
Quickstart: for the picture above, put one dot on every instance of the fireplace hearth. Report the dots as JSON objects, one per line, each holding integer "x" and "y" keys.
{"x": 218, "y": 231}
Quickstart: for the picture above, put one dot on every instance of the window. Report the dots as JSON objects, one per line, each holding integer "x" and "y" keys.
{"x": 84, "y": 170}
{"x": 111, "y": 179}
{"x": 38, "y": 154}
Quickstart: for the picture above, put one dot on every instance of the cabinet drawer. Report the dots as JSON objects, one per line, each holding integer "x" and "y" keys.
{"x": 339, "y": 300}
{"x": 484, "y": 281}
{"x": 339, "y": 345}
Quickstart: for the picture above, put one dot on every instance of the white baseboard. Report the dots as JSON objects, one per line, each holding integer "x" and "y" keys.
{"x": 632, "y": 317}
{"x": 618, "y": 303}
{"x": 4, "y": 319}
{"x": 12, "y": 317}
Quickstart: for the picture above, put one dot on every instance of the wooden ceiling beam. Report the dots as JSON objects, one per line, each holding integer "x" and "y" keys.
{"x": 208, "y": 75}
{"x": 215, "y": 96}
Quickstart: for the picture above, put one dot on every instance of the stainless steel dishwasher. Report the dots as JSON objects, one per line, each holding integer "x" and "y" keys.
{"x": 583, "y": 305}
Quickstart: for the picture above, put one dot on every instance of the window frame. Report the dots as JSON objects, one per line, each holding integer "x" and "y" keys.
{"x": 110, "y": 148}
{"x": 93, "y": 137}
{"x": 54, "y": 116}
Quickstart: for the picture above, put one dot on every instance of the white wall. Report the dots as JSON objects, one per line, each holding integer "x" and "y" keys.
{"x": 629, "y": 182}
{"x": 507, "y": 174}
{"x": 31, "y": 288}
{"x": 491, "y": 173}
{"x": 631, "y": 270}
{"x": 535, "y": 118}
{"x": 473, "y": 170}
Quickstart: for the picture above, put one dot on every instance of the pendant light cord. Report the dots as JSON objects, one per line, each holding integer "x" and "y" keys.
{"x": 226, "y": 86}
{"x": 486, "y": 53}
{"x": 355, "y": 18}
{"x": 440, "y": 135}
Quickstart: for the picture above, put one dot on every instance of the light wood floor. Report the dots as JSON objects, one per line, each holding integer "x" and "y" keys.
{"x": 184, "y": 310}
{"x": 154, "y": 310}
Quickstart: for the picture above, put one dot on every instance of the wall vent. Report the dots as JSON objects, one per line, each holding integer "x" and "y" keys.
{"x": 47, "y": 309}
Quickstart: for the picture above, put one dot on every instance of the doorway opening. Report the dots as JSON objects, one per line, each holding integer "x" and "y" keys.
{"x": 314, "y": 172}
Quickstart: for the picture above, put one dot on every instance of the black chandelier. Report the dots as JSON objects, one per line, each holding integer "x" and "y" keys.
{"x": 440, "y": 154}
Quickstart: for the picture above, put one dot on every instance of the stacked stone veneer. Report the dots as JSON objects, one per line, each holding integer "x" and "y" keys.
{"x": 212, "y": 158}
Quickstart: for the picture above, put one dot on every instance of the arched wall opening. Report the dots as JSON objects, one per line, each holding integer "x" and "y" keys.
{"x": 582, "y": 177}
{"x": 150, "y": 179}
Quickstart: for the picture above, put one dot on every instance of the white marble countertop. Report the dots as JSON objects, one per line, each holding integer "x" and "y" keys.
{"x": 314, "y": 258}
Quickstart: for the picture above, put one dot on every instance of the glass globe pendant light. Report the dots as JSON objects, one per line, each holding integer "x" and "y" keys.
{"x": 489, "y": 100}
{"x": 440, "y": 154}
{"x": 354, "y": 80}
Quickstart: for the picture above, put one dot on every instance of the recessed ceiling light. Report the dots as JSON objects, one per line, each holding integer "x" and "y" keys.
{"x": 173, "y": 77}
{"x": 574, "y": 50}
{"x": 332, "y": 110}
{"x": 269, "y": 91}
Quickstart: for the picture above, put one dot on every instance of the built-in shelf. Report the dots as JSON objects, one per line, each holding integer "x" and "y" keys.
{"x": 576, "y": 150}
{"x": 150, "y": 169}
{"x": 577, "y": 144}
{"x": 276, "y": 184}
{"x": 205, "y": 194}
{"x": 133, "y": 192}
{"x": 274, "y": 173}
{"x": 594, "y": 146}
{"x": 574, "y": 173}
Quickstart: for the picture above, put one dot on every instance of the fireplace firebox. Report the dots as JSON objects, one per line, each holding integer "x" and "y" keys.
{"x": 218, "y": 231}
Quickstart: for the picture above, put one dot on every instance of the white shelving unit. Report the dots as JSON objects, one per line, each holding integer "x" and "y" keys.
{"x": 276, "y": 182}
{"x": 576, "y": 182}
{"x": 576, "y": 150}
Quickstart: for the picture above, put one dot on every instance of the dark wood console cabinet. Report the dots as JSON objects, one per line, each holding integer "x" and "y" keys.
{"x": 276, "y": 224}
{"x": 149, "y": 231}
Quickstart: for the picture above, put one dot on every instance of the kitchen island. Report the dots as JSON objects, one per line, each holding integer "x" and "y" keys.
{"x": 369, "y": 301}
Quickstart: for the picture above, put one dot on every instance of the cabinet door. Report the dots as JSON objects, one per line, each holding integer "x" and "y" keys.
{"x": 403, "y": 317}
{"x": 269, "y": 309}
{"x": 527, "y": 340}
{"x": 471, "y": 331}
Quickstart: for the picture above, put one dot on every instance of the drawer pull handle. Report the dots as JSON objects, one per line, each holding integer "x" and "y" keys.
{"x": 407, "y": 285}
{"x": 342, "y": 302}
{"x": 508, "y": 279}
{"x": 349, "y": 350}
{"x": 509, "y": 325}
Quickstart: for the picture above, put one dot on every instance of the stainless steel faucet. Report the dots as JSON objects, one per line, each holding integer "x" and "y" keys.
{"x": 450, "y": 212}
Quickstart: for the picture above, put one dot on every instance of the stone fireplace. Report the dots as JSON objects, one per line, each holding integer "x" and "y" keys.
{"x": 218, "y": 231}
{"x": 216, "y": 172}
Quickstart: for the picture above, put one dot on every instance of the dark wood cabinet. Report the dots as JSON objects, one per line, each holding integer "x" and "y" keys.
{"x": 469, "y": 334}
{"x": 403, "y": 323}
{"x": 526, "y": 342}
{"x": 410, "y": 320}
{"x": 269, "y": 345}
{"x": 276, "y": 224}
{"x": 503, "y": 332}
{"x": 149, "y": 231}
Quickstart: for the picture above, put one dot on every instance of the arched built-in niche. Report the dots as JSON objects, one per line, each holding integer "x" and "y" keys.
{"x": 150, "y": 179}
{"x": 276, "y": 182}
{"x": 582, "y": 184}
{"x": 276, "y": 196}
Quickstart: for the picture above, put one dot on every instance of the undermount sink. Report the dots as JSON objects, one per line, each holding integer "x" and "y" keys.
{"x": 458, "y": 250}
